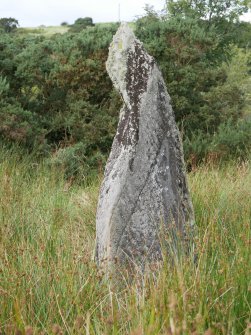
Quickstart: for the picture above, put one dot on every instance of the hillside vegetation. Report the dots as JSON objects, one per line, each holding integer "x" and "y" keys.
{"x": 57, "y": 99}
{"x": 44, "y": 30}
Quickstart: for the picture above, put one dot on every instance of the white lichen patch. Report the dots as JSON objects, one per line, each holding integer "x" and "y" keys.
{"x": 116, "y": 64}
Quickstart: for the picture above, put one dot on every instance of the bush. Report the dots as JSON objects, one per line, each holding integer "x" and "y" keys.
{"x": 73, "y": 161}
{"x": 19, "y": 125}
{"x": 231, "y": 141}
{"x": 70, "y": 160}
{"x": 62, "y": 91}
{"x": 80, "y": 24}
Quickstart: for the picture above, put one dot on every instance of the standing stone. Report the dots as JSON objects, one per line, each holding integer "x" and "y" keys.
{"x": 144, "y": 188}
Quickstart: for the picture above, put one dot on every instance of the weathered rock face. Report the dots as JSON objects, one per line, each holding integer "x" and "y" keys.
{"x": 144, "y": 187}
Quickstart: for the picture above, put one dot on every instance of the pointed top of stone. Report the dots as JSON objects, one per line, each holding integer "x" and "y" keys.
{"x": 127, "y": 57}
{"x": 124, "y": 37}
{"x": 116, "y": 64}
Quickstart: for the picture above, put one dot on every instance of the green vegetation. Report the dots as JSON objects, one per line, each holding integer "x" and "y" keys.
{"x": 56, "y": 92}
{"x": 57, "y": 96}
{"x": 50, "y": 284}
{"x": 44, "y": 31}
{"x": 8, "y": 25}
{"x": 81, "y": 23}
{"x": 58, "y": 116}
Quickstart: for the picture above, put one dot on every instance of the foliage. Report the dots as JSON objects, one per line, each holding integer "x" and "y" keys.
{"x": 50, "y": 283}
{"x": 4, "y": 86}
{"x": 221, "y": 16}
{"x": 191, "y": 56}
{"x": 239, "y": 73}
{"x": 234, "y": 140}
{"x": 55, "y": 92}
{"x": 61, "y": 83}
{"x": 8, "y": 25}
{"x": 242, "y": 36}
{"x": 74, "y": 161}
{"x": 213, "y": 11}
{"x": 231, "y": 141}
{"x": 18, "y": 125}
{"x": 80, "y": 24}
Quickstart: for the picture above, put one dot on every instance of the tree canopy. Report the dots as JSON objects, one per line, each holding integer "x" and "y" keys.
{"x": 81, "y": 23}
{"x": 8, "y": 25}
{"x": 209, "y": 10}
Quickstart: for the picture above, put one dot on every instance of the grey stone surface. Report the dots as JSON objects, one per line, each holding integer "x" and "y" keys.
{"x": 144, "y": 188}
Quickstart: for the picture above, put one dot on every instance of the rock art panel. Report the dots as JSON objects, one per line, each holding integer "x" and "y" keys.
{"x": 144, "y": 191}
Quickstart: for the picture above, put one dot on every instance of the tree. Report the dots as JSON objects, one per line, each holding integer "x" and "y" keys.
{"x": 210, "y": 10}
{"x": 191, "y": 52}
{"x": 8, "y": 25}
{"x": 81, "y": 23}
{"x": 222, "y": 15}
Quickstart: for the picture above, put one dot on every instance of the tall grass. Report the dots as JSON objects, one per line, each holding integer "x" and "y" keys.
{"x": 49, "y": 283}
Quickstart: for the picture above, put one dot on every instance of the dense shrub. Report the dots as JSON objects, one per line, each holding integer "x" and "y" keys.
{"x": 71, "y": 160}
{"x": 231, "y": 141}
{"x": 80, "y": 24}
{"x": 74, "y": 162}
{"x": 55, "y": 93}
{"x": 18, "y": 125}
{"x": 61, "y": 88}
